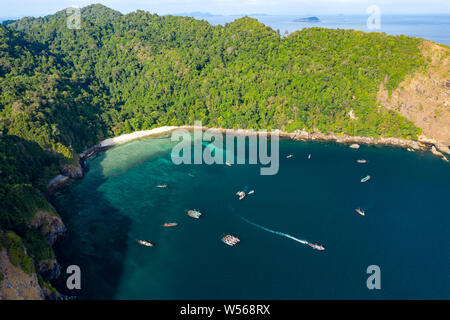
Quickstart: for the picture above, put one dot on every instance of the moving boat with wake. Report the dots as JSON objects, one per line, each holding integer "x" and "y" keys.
{"x": 316, "y": 246}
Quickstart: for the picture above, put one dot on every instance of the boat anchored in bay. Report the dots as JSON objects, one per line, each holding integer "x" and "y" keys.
{"x": 145, "y": 243}
{"x": 194, "y": 214}
{"x": 367, "y": 178}
{"x": 170, "y": 224}
{"x": 230, "y": 240}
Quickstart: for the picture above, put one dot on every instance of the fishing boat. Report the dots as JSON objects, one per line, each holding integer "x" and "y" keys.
{"x": 170, "y": 224}
{"x": 360, "y": 212}
{"x": 361, "y": 161}
{"x": 194, "y": 214}
{"x": 316, "y": 246}
{"x": 289, "y": 156}
{"x": 145, "y": 243}
{"x": 241, "y": 194}
{"x": 230, "y": 240}
{"x": 161, "y": 186}
{"x": 365, "y": 179}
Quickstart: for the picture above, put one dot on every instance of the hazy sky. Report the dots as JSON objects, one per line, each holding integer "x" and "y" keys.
{"x": 293, "y": 7}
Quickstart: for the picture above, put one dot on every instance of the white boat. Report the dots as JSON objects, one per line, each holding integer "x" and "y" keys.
{"x": 145, "y": 243}
{"x": 316, "y": 246}
{"x": 241, "y": 194}
{"x": 230, "y": 240}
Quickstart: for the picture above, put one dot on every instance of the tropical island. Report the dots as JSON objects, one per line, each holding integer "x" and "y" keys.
{"x": 65, "y": 90}
{"x": 308, "y": 19}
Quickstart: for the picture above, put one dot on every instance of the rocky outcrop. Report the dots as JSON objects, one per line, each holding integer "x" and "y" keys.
{"x": 424, "y": 97}
{"x": 73, "y": 171}
{"x": 49, "y": 269}
{"x": 50, "y": 225}
{"x": 317, "y": 136}
{"x": 15, "y": 283}
{"x": 57, "y": 182}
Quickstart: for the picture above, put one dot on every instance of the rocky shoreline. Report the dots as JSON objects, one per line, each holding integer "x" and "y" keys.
{"x": 422, "y": 144}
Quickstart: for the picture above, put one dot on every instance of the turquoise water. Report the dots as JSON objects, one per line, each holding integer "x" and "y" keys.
{"x": 406, "y": 230}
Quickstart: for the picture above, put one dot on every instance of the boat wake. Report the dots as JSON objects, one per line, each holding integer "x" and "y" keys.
{"x": 275, "y": 232}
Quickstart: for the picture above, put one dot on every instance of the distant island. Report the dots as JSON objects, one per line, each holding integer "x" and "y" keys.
{"x": 308, "y": 19}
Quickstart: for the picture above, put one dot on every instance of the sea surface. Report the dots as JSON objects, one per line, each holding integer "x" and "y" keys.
{"x": 405, "y": 232}
{"x": 431, "y": 27}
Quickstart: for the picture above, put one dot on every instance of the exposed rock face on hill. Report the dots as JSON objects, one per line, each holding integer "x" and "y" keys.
{"x": 49, "y": 269}
{"x": 424, "y": 98}
{"x": 15, "y": 284}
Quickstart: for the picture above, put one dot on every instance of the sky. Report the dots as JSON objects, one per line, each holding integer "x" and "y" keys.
{"x": 20, "y": 8}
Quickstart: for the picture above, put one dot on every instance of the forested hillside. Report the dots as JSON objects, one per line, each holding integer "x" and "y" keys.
{"x": 121, "y": 73}
{"x": 62, "y": 90}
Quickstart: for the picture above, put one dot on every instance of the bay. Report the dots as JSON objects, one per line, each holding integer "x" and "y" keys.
{"x": 405, "y": 230}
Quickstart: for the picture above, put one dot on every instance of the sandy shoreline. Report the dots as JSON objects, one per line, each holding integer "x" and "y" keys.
{"x": 298, "y": 135}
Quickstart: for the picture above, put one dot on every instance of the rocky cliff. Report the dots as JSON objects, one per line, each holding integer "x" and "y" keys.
{"x": 22, "y": 277}
{"x": 424, "y": 97}
{"x": 15, "y": 283}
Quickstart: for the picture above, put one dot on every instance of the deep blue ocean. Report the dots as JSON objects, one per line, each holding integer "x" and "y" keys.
{"x": 431, "y": 27}
{"x": 406, "y": 229}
